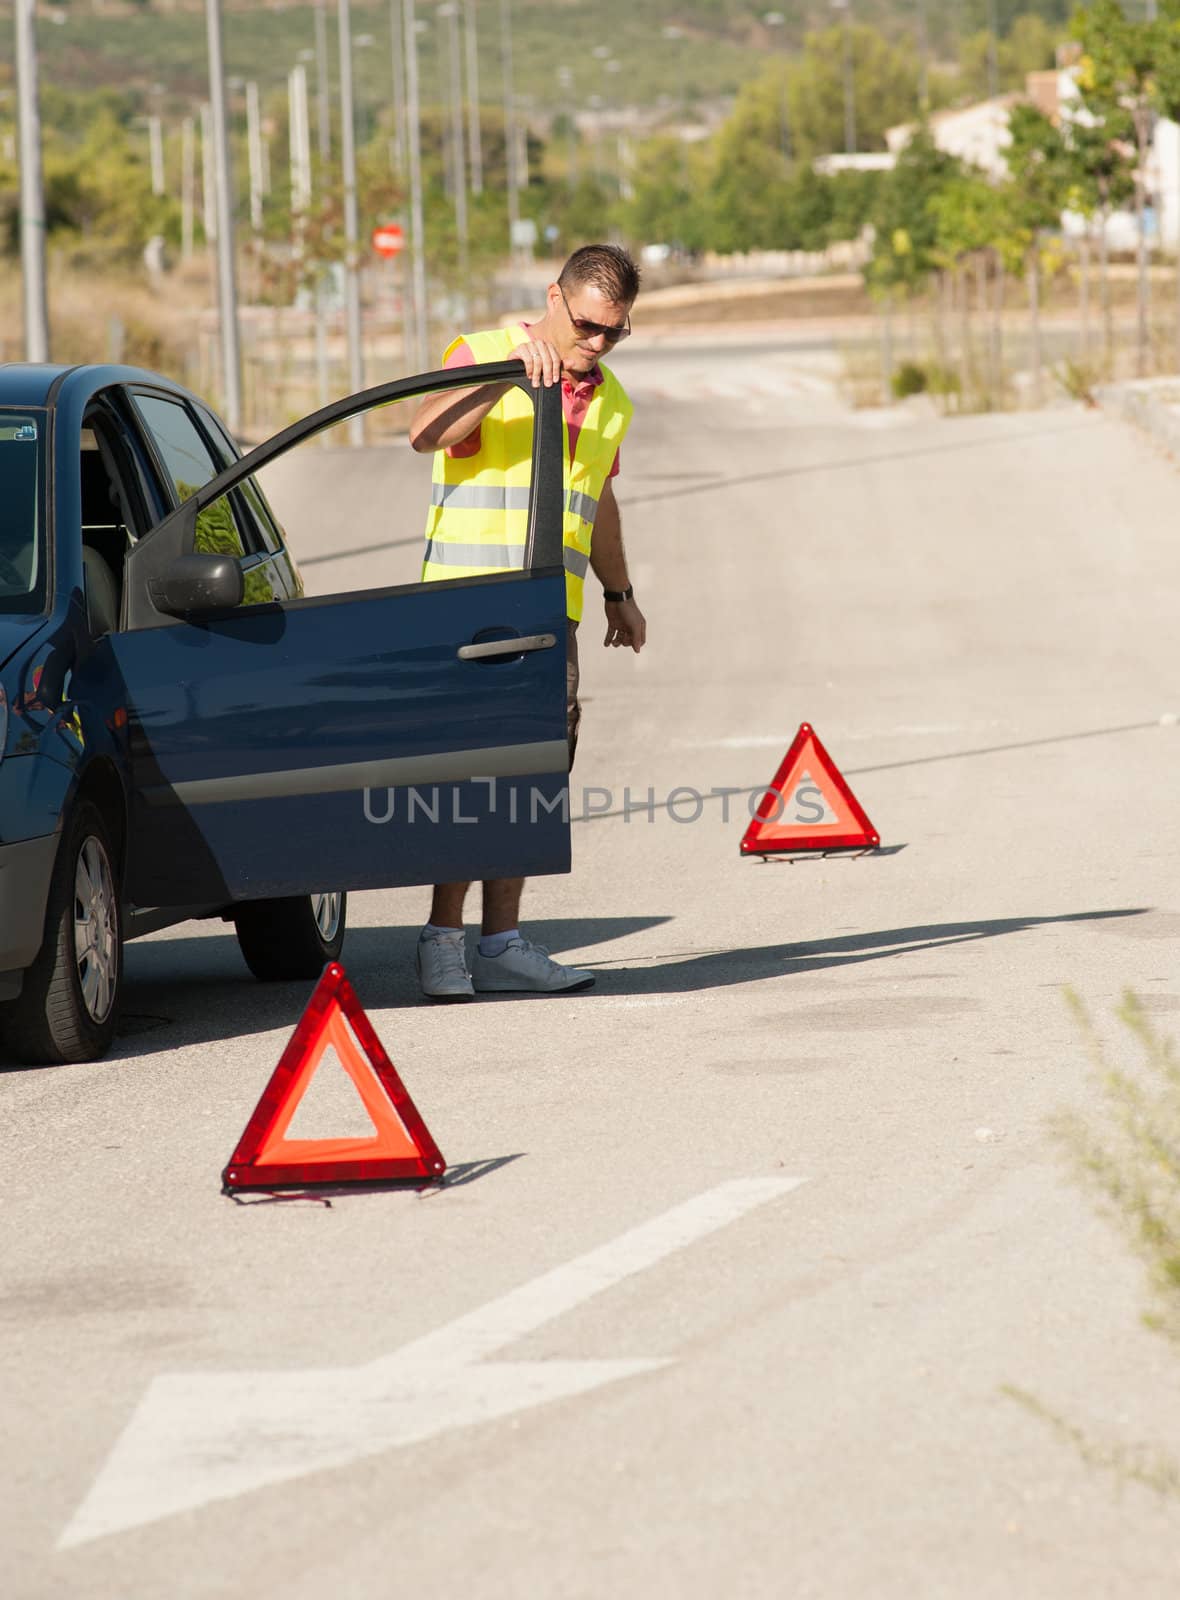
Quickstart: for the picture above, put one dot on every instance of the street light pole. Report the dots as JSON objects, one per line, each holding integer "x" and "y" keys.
{"x": 417, "y": 226}
{"x": 451, "y": 14}
{"x": 32, "y": 193}
{"x": 227, "y": 287}
{"x": 849, "y": 82}
{"x": 323, "y": 107}
{"x": 475, "y": 142}
{"x": 352, "y": 286}
{"x": 254, "y": 145}
{"x": 398, "y": 77}
{"x": 188, "y": 185}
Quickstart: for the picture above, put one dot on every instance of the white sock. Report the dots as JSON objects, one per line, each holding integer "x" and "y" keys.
{"x": 495, "y": 944}
{"x": 433, "y": 931}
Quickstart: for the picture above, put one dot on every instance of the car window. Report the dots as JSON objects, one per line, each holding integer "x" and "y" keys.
{"x": 184, "y": 453}
{"x": 22, "y": 553}
{"x": 251, "y": 506}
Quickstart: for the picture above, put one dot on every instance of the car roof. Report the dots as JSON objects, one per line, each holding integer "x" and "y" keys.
{"x": 28, "y": 383}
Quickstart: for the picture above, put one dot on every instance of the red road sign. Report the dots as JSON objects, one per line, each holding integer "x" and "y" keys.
{"x": 389, "y": 238}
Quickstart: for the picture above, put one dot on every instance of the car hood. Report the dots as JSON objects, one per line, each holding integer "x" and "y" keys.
{"x": 16, "y": 631}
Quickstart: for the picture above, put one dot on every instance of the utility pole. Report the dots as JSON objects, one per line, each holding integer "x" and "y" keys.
{"x": 417, "y": 226}
{"x": 254, "y": 144}
{"x": 227, "y": 288}
{"x": 993, "y": 63}
{"x": 845, "y": 9}
{"x": 188, "y": 186}
{"x": 509, "y": 122}
{"x": 299, "y": 142}
{"x": 208, "y": 180}
{"x": 398, "y": 78}
{"x": 475, "y": 154}
{"x": 323, "y": 103}
{"x": 156, "y": 152}
{"x": 32, "y": 193}
{"x": 352, "y": 287}
{"x": 451, "y": 14}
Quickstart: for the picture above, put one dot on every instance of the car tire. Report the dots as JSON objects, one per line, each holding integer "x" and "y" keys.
{"x": 291, "y": 938}
{"x": 68, "y": 1007}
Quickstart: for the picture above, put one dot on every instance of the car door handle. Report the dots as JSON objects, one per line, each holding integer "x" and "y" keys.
{"x": 507, "y": 647}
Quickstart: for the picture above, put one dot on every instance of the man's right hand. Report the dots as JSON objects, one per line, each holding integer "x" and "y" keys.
{"x": 542, "y": 362}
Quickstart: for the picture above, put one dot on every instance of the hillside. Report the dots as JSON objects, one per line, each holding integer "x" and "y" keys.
{"x": 570, "y": 54}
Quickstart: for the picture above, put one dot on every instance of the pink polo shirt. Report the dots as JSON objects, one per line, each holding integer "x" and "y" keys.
{"x": 575, "y": 402}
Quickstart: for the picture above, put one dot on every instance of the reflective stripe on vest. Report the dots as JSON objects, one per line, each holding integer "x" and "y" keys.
{"x": 449, "y": 553}
{"x": 478, "y": 519}
{"x": 479, "y": 497}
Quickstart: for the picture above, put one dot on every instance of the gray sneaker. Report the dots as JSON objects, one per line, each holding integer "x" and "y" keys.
{"x": 526, "y": 967}
{"x": 442, "y": 967}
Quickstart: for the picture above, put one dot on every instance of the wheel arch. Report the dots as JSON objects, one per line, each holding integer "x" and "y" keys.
{"x": 102, "y": 786}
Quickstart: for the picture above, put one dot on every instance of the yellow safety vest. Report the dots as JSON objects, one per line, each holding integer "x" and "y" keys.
{"x": 479, "y": 504}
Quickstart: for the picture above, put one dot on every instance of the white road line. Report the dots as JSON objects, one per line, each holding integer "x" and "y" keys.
{"x": 200, "y": 1437}
{"x": 520, "y": 1312}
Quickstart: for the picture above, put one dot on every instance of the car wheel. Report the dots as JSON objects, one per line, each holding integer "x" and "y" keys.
{"x": 69, "y": 1003}
{"x": 291, "y": 938}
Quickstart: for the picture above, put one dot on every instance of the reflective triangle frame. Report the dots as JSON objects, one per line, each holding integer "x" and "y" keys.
{"x": 402, "y": 1146}
{"x": 768, "y": 835}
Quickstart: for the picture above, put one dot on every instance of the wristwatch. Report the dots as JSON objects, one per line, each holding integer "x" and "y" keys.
{"x": 619, "y": 594}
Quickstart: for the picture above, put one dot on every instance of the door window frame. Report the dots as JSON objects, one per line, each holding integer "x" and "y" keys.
{"x": 544, "y": 537}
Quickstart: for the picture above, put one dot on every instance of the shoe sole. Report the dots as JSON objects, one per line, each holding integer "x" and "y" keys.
{"x": 570, "y": 988}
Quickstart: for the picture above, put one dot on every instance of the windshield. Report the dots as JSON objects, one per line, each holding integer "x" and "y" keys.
{"x": 22, "y": 538}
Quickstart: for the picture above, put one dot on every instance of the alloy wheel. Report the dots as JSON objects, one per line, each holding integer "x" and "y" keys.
{"x": 325, "y": 908}
{"x": 96, "y": 929}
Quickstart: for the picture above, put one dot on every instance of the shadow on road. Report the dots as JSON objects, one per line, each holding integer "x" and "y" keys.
{"x": 804, "y": 469}
{"x": 716, "y": 969}
{"x": 192, "y": 991}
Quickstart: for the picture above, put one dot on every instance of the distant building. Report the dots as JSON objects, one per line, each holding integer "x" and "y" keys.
{"x": 977, "y": 133}
{"x": 859, "y": 161}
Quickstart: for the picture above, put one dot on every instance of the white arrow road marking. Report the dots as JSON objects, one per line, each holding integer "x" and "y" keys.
{"x": 196, "y": 1437}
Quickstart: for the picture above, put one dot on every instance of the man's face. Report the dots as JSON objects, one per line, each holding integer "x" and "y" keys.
{"x": 584, "y": 303}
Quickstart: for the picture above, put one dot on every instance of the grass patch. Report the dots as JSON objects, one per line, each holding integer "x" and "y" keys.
{"x": 1131, "y": 1161}
{"x": 1128, "y": 1157}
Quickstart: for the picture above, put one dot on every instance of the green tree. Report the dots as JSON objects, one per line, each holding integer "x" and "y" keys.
{"x": 1030, "y": 47}
{"x": 1129, "y": 73}
{"x": 1035, "y": 198}
{"x": 905, "y": 250}
{"x": 666, "y": 206}
{"x": 1100, "y": 162}
{"x": 885, "y": 84}
{"x": 969, "y": 218}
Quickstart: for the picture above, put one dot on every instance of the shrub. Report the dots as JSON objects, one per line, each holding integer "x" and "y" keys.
{"x": 910, "y": 378}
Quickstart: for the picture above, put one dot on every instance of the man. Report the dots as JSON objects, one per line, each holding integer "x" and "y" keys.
{"x": 485, "y": 433}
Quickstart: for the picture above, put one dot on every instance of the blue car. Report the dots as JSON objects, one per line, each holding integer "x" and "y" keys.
{"x": 183, "y": 733}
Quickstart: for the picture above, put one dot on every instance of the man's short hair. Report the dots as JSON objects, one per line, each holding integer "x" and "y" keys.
{"x": 608, "y": 267}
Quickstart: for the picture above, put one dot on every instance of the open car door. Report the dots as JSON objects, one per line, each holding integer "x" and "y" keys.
{"x": 407, "y": 735}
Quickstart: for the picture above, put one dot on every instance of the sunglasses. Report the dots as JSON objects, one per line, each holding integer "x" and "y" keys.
{"x": 589, "y": 330}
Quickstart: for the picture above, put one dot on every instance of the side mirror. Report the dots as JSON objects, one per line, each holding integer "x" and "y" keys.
{"x": 193, "y": 584}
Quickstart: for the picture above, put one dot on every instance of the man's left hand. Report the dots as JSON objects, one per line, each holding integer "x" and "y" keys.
{"x": 625, "y": 625}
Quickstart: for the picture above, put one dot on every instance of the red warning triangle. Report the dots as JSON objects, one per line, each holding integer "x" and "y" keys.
{"x": 401, "y": 1146}
{"x": 808, "y": 805}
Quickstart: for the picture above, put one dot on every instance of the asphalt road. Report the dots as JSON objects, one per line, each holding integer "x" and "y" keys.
{"x": 761, "y": 1272}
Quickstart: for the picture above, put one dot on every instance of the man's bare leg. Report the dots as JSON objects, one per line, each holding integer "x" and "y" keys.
{"x": 446, "y": 906}
{"x": 501, "y": 905}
